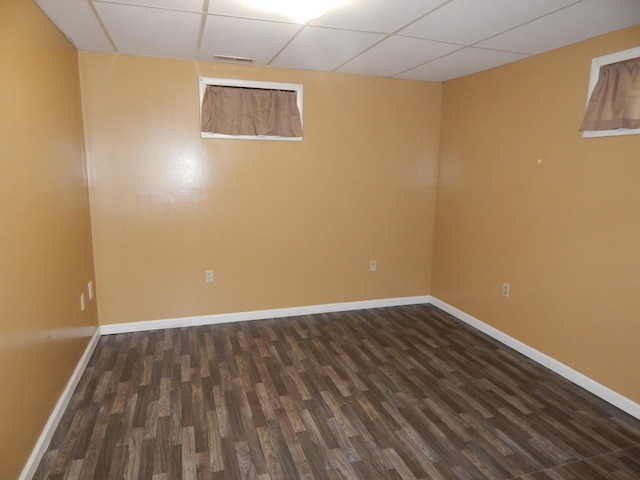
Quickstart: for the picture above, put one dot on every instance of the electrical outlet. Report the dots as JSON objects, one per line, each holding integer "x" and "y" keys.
{"x": 82, "y": 305}
{"x": 90, "y": 289}
{"x": 373, "y": 265}
{"x": 505, "y": 289}
{"x": 208, "y": 276}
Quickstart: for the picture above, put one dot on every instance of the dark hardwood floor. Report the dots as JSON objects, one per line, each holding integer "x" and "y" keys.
{"x": 395, "y": 393}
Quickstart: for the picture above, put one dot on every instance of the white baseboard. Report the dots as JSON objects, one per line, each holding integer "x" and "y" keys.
{"x": 605, "y": 393}
{"x": 260, "y": 314}
{"x": 42, "y": 444}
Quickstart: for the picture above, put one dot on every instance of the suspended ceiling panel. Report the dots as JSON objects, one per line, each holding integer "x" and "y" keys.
{"x": 433, "y": 40}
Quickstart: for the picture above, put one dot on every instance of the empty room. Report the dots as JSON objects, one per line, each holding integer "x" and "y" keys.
{"x": 363, "y": 240}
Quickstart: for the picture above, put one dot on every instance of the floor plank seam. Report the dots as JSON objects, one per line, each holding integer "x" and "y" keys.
{"x": 578, "y": 461}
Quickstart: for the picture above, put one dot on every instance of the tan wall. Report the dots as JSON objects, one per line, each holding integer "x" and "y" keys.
{"x": 565, "y": 234}
{"x": 45, "y": 236}
{"x": 290, "y": 224}
{"x": 281, "y": 224}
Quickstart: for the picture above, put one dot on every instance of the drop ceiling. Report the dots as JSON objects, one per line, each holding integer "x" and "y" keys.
{"x": 432, "y": 40}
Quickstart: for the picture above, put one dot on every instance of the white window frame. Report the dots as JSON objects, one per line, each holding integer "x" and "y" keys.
{"x": 233, "y": 82}
{"x": 596, "y": 64}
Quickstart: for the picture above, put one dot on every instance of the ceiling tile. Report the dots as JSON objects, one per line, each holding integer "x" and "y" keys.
{"x": 463, "y": 62}
{"x": 383, "y": 58}
{"x": 150, "y": 31}
{"x": 245, "y": 38}
{"x": 82, "y": 28}
{"x": 380, "y": 16}
{"x": 245, "y": 9}
{"x": 317, "y": 48}
{"x": 358, "y": 36}
{"x": 468, "y": 21}
{"x": 186, "y": 5}
{"x": 586, "y": 19}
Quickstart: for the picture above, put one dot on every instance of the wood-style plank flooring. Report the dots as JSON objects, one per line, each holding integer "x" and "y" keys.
{"x": 395, "y": 393}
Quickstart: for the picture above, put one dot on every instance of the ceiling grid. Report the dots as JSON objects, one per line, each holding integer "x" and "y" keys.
{"x": 430, "y": 40}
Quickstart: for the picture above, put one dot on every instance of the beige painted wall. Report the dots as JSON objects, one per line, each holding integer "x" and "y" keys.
{"x": 565, "y": 234}
{"x": 289, "y": 224}
{"x": 281, "y": 224}
{"x": 45, "y": 236}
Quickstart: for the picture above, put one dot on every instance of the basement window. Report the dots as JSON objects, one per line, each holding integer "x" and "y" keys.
{"x": 250, "y": 110}
{"x": 603, "y": 108}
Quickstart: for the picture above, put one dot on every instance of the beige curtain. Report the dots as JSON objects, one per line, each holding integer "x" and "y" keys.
{"x": 615, "y": 101}
{"x": 250, "y": 111}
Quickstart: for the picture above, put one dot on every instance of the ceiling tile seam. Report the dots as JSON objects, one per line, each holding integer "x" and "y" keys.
{"x": 474, "y": 44}
{"x": 255, "y": 19}
{"x": 461, "y": 45}
{"x": 525, "y": 23}
{"x": 431, "y": 40}
{"x": 417, "y": 19}
{"x": 429, "y": 61}
{"x": 501, "y": 50}
{"x": 396, "y": 32}
{"x": 388, "y": 33}
{"x": 92, "y": 6}
{"x": 386, "y": 37}
{"x": 349, "y": 30}
{"x": 456, "y": 51}
{"x": 150, "y": 7}
{"x": 344, "y": 29}
{"x": 203, "y": 22}
{"x": 293, "y": 37}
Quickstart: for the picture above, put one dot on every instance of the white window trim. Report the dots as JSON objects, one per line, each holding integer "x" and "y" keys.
{"x": 232, "y": 82}
{"x": 596, "y": 64}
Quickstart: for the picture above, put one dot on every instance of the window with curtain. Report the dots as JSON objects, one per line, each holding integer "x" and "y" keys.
{"x": 250, "y": 110}
{"x": 614, "y": 103}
